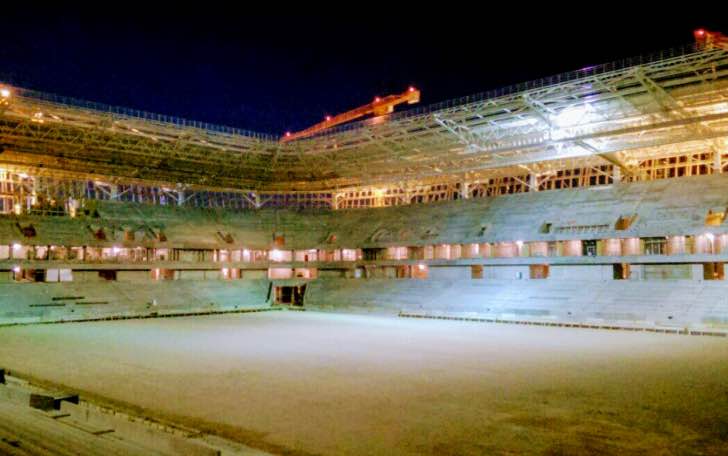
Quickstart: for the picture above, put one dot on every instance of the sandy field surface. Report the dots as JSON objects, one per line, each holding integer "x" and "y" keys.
{"x": 306, "y": 383}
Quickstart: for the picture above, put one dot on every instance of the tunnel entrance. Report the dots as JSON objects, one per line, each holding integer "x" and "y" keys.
{"x": 290, "y": 295}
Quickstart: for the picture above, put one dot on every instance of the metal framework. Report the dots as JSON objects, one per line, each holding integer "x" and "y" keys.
{"x": 626, "y": 120}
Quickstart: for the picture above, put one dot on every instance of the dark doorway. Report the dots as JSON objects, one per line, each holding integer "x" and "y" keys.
{"x": 290, "y": 295}
{"x": 589, "y": 247}
{"x": 620, "y": 271}
{"x": 713, "y": 271}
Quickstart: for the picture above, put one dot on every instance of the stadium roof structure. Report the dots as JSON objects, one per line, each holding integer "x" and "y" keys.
{"x": 618, "y": 113}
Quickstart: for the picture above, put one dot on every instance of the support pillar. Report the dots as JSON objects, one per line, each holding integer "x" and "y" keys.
{"x": 616, "y": 174}
{"x": 533, "y": 182}
{"x": 717, "y": 161}
{"x": 464, "y": 190}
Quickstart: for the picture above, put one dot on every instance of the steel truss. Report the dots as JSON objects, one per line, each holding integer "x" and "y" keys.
{"x": 604, "y": 123}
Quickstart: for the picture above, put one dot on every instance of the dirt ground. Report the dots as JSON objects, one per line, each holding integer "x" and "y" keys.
{"x": 315, "y": 383}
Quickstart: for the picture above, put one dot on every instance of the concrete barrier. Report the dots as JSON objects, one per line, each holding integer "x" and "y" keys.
{"x": 136, "y": 430}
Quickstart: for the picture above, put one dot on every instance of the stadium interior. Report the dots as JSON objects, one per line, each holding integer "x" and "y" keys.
{"x": 587, "y": 207}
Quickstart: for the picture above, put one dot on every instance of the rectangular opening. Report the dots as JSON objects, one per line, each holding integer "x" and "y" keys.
{"x": 713, "y": 271}
{"x": 476, "y": 271}
{"x": 290, "y": 295}
{"x": 538, "y": 271}
{"x": 624, "y": 222}
{"x": 420, "y": 271}
{"x": 553, "y": 249}
{"x": 161, "y": 274}
{"x": 403, "y": 272}
{"x": 620, "y": 271}
{"x": 107, "y": 274}
{"x": 29, "y": 275}
{"x": 589, "y": 247}
{"x": 374, "y": 254}
{"x": 655, "y": 246}
{"x": 714, "y": 218}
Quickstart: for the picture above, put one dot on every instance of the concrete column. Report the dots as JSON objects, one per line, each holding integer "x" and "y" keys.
{"x": 533, "y": 182}
{"x": 464, "y": 187}
{"x": 616, "y": 174}
{"x": 717, "y": 161}
{"x": 180, "y": 197}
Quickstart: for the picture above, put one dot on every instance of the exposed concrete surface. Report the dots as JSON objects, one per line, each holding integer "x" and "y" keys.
{"x": 310, "y": 383}
{"x": 663, "y": 207}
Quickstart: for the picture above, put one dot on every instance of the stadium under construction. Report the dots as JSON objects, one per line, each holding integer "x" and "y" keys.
{"x": 539, "y": 268}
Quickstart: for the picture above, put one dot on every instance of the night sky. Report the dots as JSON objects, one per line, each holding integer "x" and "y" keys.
{"x": 273, "y": 73}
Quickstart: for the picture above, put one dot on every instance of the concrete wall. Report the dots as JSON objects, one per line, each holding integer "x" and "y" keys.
{"x": 581, "y": 272}
{"x": 449, "y": 272}
{"x": 67, "y": 301}
{"x": 673, "y": 303}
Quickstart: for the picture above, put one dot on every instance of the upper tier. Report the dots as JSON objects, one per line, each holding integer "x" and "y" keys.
{"x": 658, "y": 208}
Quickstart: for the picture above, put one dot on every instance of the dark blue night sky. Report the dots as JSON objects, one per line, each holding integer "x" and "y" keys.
{"x": 270, "y": 73}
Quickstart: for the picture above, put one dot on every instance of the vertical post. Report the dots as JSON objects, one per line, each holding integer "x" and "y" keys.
{"x": 616, "y": 174}
{"x": 533, "y": 182}
{"x": 180, "y": 197}
{"x": 464, "y": 190}
{"x": 717, "y": 161}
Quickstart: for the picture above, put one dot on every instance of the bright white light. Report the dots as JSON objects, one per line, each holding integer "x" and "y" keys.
{"x": 276, "y": 255}
{"x": 421, "y": 267}
{"x": 115, "y": 250}
{"x": 16, "y": 269}
{"x": 17, "y": 246}
{"x": 710, "y": 236}
{"x": 5, "y": 93}
{"x": 225, "y": 272}
{"x": 571, "y": 116}
{"x": 519, "y": 244}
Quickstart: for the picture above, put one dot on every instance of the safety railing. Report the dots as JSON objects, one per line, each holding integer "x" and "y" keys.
{"x": 414, "y": 112}
{"x": 137, "y": 114}
{"x": 536, "y": 84}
